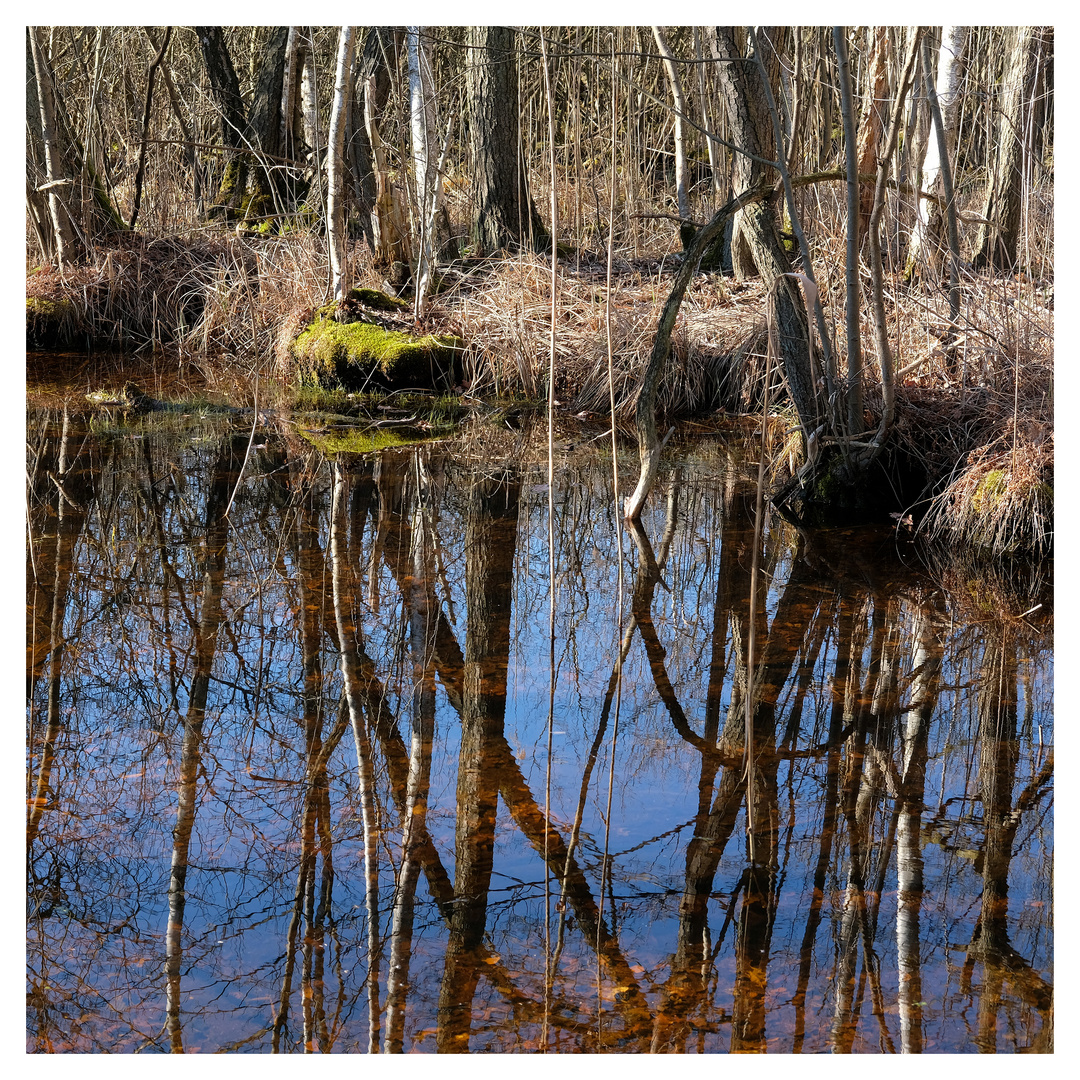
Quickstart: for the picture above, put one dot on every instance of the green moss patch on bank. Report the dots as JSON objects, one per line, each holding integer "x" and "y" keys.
{"x": 50, "y": 323}
{"x": 999, "y": 504}
{"x": 363, "y": 355}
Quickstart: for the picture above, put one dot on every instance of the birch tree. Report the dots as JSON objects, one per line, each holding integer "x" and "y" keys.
{"x": 424, "y": 143}
{"x": 926, "y": 233}
{"x": 672, "y": 72}
{"x": 57, "y": 176}
{"x": 336, "y": 194}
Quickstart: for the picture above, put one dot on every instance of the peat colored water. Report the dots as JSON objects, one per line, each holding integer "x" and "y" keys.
{"x": 300, "y": 776}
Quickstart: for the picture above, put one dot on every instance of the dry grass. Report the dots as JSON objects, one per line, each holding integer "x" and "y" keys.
{"x": 974, "y": 408}
{"x": 504, "y": 314}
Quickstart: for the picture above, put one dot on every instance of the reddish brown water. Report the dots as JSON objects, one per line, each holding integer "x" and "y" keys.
{"x": 302, "y": 778}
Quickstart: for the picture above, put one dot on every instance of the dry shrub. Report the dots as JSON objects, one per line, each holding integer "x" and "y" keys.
{"x": 145, "y": 293}
{"x": 504, "y": 313}
{"x": 997, "y": 497}
{"x": 1002, "y": 500}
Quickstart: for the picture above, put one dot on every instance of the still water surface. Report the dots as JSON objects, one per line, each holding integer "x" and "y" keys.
{"x": 302, "y": 778}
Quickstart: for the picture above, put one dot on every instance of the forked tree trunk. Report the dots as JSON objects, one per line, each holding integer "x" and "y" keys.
{"x": 751, "y": 128}
{"x": 246, "y": 135}
{"x": 649, "y": 443}
{"x": 925, "y": 241}
{"x": 225, "y": 89}
{"x": 58, "y": 178}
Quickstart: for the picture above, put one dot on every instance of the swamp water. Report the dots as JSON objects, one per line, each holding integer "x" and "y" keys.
{"x": 299, "y": 778}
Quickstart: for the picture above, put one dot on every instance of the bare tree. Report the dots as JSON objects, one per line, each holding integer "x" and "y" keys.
{"x": 336, "y": 190}
{"x": 998, "y": 241}
{"x": 672, "y": 72}
{"x": 58, "y": 178}
{"x": 926, "y": 233}
{"x": 505, "y": 213}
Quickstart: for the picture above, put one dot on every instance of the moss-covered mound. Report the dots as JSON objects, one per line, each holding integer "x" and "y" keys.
{"x": 50, "y": 323}
{"x": 361, "y": 354}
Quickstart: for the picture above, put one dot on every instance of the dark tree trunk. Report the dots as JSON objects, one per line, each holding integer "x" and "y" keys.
{"x": 239, "y": 133}
{"x": 757, "y": 247}
{"x": 225, "y": 88}
{"x": 490, "y": 543}
{"x": 372, "y": 81}
{"x": 264, "y": 124}
{"x": 505, "y": 215}
{"x": 997, "y": 242}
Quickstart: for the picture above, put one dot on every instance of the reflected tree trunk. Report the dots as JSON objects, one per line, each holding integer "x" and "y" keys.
{"x": 490, "y": 547}
{"x": 998, "y": 760}
{"x": 421, "y": 607}
{"x": 909, "y": 861}
{"x": 69, "y": 495}
{"x": 307, "y": 926}
{"x": 205, "y": 649}
{"x": 344, "y": 595}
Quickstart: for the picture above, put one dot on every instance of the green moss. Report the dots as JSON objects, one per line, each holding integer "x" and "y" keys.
{"x": 990, "y": 489}
{"x": 321, "y": 399}
{"x": 378, "y": 301}
{"x": 355, "y": 355}
{"x": 40, "y": 307}
{"x": 49, "y": 323}
{"x": 367, "y": 440}
{"x": 827, "y": 487}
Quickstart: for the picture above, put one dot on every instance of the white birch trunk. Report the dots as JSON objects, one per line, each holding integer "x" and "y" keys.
{"x": 291, "y": 115}
{"x": 335, "y": 169}
{"x": 422, "y": 120}
{"x": 675, "y": 83}
{"x": 947, "y": 84}
{"x": 63, "y": 232}
{"x": 309, "y": 106}
{"x": 926, "y": 664}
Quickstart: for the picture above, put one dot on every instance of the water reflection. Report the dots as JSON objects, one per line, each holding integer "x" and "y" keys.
{"x": 846, "y": 848}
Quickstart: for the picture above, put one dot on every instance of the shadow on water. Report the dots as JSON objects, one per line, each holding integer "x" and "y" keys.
{"x": 292, "y": 785}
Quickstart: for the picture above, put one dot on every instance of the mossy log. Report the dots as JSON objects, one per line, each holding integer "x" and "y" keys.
{"x": 353, "y": 348}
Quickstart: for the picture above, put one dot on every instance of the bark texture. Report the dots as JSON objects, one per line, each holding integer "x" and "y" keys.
{"x": 505, "y": 214}
{"x": 997, "y": 243}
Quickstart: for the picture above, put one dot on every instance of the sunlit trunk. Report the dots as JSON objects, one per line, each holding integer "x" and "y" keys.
{"x": 58, "y": 179}
{"x": 671, "y": 70}
{"x": 425, "y": 155}
{"x": 926, "y": 662}
{"x": 343, "y": 591}
{"x": 336, "y": 237}
{"x": 205, "y": 649}
{"x": 926, "y": 234}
